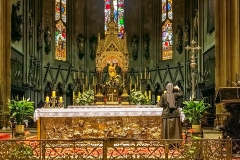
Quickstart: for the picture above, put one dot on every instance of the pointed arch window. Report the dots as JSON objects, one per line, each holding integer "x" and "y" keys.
{"x": 60, "y": 30}
{"x": 118, "y": 6}
{"x": 167, "y": 33}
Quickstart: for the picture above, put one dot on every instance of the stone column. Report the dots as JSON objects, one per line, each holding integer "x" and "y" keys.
{"x": 5, "y": 51}
{"x": 227, "y": 42}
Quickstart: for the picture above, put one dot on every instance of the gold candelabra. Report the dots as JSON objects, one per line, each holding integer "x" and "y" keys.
{"x": 193, "y": 64}
{"x": 52, "y": 102}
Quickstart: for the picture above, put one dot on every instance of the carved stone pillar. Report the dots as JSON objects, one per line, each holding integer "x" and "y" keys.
{"x": 5, "y": 51}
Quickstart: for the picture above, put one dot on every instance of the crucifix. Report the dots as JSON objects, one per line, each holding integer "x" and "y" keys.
{"x": 193, "y": 64}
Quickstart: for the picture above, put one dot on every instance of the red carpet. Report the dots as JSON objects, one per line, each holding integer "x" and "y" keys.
{"x": 4, "y": 136}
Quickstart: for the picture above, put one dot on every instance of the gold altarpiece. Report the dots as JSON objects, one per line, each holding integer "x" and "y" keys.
{"x": 112, "y": 49}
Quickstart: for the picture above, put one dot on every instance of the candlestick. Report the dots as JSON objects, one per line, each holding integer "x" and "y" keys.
{"x": 145, "y": 93}
{"x": 82, "y": 75}
{"x": 130, "y": 87}
{"x": 47, "y": 99}
{"x": 74, "y": 75}
{"x": 53, "y": 93}
{"x": 149, "y": 75}
{"x": 141, "y": 76}
{"x": 60, "y": 99}
{"x": 150, "y": 94}
{"x": 79, "y": 94}
{"x": 140, "y": 87}
{"x": 135, "y": 87}
{"x": 130, "y": 80}
{"x": 73, "y": 95}
{"x": 83, "y": 87}
{"x": 145, "y": 73}
{"x": 93, "y": 80}
{"x": 137, "y": 80}
{"x": 89, "y": 87}
{"x": 86, "y": 81}
{"x": 158, "y": 98}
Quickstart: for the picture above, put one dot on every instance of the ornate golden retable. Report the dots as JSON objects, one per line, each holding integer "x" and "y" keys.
{"x": 77, "y": 122}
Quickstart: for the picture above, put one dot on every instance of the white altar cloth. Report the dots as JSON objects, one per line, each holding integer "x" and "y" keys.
{"x": 96, "y": 112}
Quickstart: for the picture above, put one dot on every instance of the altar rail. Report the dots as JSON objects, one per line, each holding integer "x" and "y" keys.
{"x": 113, "y": 149}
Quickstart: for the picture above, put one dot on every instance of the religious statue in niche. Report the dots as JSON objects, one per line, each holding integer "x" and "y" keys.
{"x": 112, "y": 71}
{"x": 134, "y": 45}
{"x": 48, "y": 40}
{"x": 81, "y": 41}
{"x": 146, "y": 45}
{"x": 195, "y": 23}
{"x": 93, "y": 45}
{"x": 186, "y": 34}
{"x": 16, "y": 21}
{"x": 39, "y": 36}
{"x": 179, "y": 36}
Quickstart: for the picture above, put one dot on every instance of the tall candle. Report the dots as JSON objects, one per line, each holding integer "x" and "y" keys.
{"x": 140, "y": 87}
{"x": 86, "y": 81}
{"x": 60, "y": 99}
{"x": 137, "y": 80}
{"x": 150, "y": 94}
{"x": 53, "y": 93}
{"x": 130, "y": 80}
{"x": 47, "y": 99}
{"x": 73, "y": 95}
{"x": 89, "y": 87}
{"x": 145, "y": 73}
{"x": 83, "y": 87}
{"x": 135, "y": 87}
{"x": 141, "y": 76}
{"x": 149, "y": 75}
{"x": 93, "y": 80}
{"x": 158, "y": 98}
{"x": 82, "y": 75}
{"x": 74, "y": 75}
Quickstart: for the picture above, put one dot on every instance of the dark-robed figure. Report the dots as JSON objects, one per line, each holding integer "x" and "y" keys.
{"x": 171, "y": 123}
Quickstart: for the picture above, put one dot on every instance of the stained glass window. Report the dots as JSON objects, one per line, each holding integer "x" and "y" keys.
{"x": 167, "y": 33}
{"x": 118, "y": 6}
{"x": 60, "y": 30}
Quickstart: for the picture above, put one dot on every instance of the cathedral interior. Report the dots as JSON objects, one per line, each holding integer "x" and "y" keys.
{"x": 55, "y": 50}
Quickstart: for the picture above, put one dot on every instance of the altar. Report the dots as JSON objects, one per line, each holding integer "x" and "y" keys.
{"x": 78, "y": 122}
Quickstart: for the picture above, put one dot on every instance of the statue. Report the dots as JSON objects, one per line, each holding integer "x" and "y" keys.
{"x": 16, "y": 21}
{"x": 93, "y": 45}
{"x": 179, "y": 36}
{"x": 81, "y": 40}
{"x": 186, "y": 34}
{"x": 146, "y": 45}
{"x": 48, "y": 40}
{"x": 112, "y": 71}
{"x": 195, "y": 23}
{"x": 39, "y": 36}
{"x": 134, "y": 45}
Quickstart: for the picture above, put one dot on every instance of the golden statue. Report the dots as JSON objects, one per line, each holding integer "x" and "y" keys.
{"x": 112, "y": 71}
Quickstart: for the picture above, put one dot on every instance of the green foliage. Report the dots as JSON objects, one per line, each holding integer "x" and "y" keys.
{"x": 86, "y": 97}
{"x": 194, "y": 110}
{"x": 21, "y": 110}
{"x": 138, "y": 97}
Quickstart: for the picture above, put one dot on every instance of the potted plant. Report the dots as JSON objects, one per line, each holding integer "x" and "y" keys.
{"x": 20, "y": 111}
{"x": 194, "y": 111}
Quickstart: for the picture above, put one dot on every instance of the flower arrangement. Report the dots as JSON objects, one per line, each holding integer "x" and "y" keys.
{"x": 86, "y": 97}
{"x": 138, "y": 97}
{"x": 21, "y": 110}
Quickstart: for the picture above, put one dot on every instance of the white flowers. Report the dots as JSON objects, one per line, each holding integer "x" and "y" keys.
{"x": 86, "y": 97}
{"x": 138, "y": 97}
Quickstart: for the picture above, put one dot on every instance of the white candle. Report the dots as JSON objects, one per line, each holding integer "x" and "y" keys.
{"x": 141, "y": 76}
{"x": 150, "y": 94}
{"x": 137, "y": 80}
{"x": 73, "y": 95}
{"x": 86, "y": 81}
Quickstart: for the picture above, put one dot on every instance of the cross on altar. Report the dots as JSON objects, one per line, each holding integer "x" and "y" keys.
{"x": 111, "y": 94}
